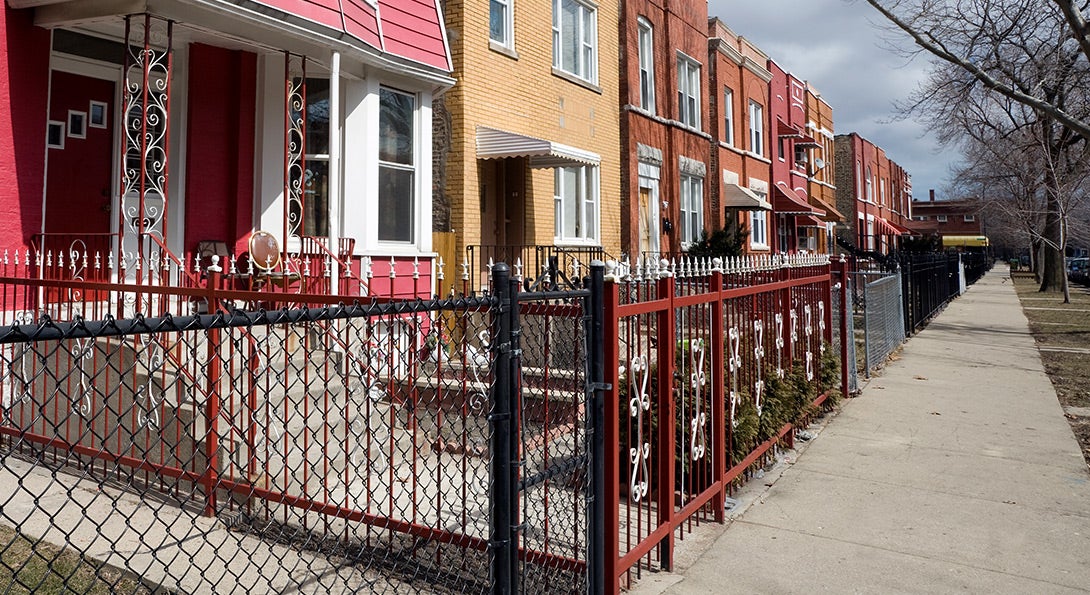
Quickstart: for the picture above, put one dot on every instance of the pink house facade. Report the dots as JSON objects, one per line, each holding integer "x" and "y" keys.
{"x": 178, "y": 129}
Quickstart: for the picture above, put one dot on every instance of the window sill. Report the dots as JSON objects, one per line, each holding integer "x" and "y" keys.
{"x": 499, "y": 48}
{"x": 575, "y": 243}
{"x": 575, "y": 79}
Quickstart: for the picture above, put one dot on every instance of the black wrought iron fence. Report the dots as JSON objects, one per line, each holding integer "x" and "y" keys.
{"x": 929, "y": 281}
{"x": 361, "y": 448}
{"x": 536, "y": 267}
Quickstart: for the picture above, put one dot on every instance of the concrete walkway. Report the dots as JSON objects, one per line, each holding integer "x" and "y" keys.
{"x": 954, "y": 471}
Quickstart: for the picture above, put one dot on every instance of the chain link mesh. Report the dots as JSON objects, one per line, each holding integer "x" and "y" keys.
{"x": 333, "y": 450}
{"x": 884, "y": 325}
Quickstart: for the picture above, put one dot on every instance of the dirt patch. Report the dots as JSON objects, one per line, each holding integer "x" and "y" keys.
{"x": 37, "y": 567}
{"x": 1062, "y": 332}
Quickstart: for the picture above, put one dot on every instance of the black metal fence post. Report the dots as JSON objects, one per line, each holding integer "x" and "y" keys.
{"x": 503, "y": 494}
{"x": 596, "y": 502}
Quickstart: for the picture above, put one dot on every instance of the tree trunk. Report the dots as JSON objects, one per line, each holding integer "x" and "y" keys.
{"x": 1052, "y": 270}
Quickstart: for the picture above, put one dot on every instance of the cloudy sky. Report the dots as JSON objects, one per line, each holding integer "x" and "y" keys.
{"x": 837, "y": 47}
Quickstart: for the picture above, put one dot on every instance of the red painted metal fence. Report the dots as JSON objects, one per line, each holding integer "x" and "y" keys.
{"x": 700, "y": 353}
{"x": 373, "y": 429}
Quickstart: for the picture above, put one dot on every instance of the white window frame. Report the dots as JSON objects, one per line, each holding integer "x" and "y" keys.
{"x": 728, "y": 115}
{"x": 870, "y": 233}
{"x": 882, "y": 190}
{"x": 649, "y": 179}
{"x": 585, "y": 200}
{"x": 783, "y": 235}
{"x": 969, "y": 218}
{"x": 858, "y": 180}
{"x": 870, "y": 185}
{"x": 319, "y": 216}
{"x": 691, "y": 209}
{"x": 413, "y": 168}
{"x": 645, "y": 44}
{"x": 508, "y": 7}
{"x": 756, "y": 128}
{"x": 688, "y": 91}
{"x": 758, "y": 233}
{"x": 940, "y": 218}
{"x": 585, "y": 37}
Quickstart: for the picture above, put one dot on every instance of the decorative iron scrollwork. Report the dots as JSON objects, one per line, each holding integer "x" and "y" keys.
{"x": 82, "y": 352}
{"x": 759, "y": 354}
{"x": 639, "y": 454}
{"x": 698, "y": 380}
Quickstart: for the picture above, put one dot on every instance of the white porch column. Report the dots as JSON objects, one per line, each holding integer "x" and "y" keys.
{"x": 335, "y": 168}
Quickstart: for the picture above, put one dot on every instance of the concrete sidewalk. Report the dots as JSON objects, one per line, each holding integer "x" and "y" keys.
{"x": 955, "y": 470}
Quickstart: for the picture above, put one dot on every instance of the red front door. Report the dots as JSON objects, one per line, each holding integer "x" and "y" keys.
{"x": 76, "y": 241}
{"x": 80, "y": 174}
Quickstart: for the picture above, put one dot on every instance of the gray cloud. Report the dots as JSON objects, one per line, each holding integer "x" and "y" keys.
{"x": 838, "y": 47}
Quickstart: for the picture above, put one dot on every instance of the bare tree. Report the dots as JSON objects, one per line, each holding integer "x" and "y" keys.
{"x": 991, "y": 40}
{"x": 1009, "y": 71}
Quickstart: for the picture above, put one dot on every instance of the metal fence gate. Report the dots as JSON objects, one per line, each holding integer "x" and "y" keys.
{"x": 547, "y": 437}
{"x": 883, "y": 318}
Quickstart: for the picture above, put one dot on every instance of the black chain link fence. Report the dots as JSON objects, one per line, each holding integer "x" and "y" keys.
{"x": 335, "y": 449}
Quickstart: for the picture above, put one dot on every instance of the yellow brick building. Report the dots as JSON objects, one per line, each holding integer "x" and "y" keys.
{"x": 530, "y": 133}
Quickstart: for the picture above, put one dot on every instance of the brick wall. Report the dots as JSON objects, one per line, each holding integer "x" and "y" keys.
{"x": 520, "y": 93}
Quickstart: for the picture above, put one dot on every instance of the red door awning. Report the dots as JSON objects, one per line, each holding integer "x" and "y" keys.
{"x": 787, "y": 202}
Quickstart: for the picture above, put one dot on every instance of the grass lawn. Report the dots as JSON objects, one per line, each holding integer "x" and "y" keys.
{"x": 26, "y": 567}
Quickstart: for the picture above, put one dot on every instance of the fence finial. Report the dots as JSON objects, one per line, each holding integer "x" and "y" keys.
{"x": 465, "y": 269}
{"x": 439, "y": 265}
{"x": 215, "y": 266}
{"x": 393, "y": 268}
{"x": 416, "y": 267}
{"x": 611, "y": 270}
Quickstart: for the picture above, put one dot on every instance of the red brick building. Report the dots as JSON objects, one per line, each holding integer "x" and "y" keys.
{"x": 739, "y": 80}
{"x": 946, "y": 217}
{"x": 665, "y": 123}
{"x": 874, "y": 193}
{"x": 798, "y": 222}
{"x": 820, "y": 165}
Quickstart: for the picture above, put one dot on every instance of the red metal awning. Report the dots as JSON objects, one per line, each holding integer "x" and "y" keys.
{"x": 806, "y": 142}
{"x": 785, "y": 130}
{"x": 891, "y": 228}
{"x": 831, "y": 214}
{"x": 786, "y": 202}
{"x": 809, "y": 221}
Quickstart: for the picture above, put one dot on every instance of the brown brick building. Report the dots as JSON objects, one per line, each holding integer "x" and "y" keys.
{"x": 666, "y": 174}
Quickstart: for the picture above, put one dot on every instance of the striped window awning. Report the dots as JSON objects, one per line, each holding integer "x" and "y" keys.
{"x": 738, "y": 197}
{"x": 501, "y": 144}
